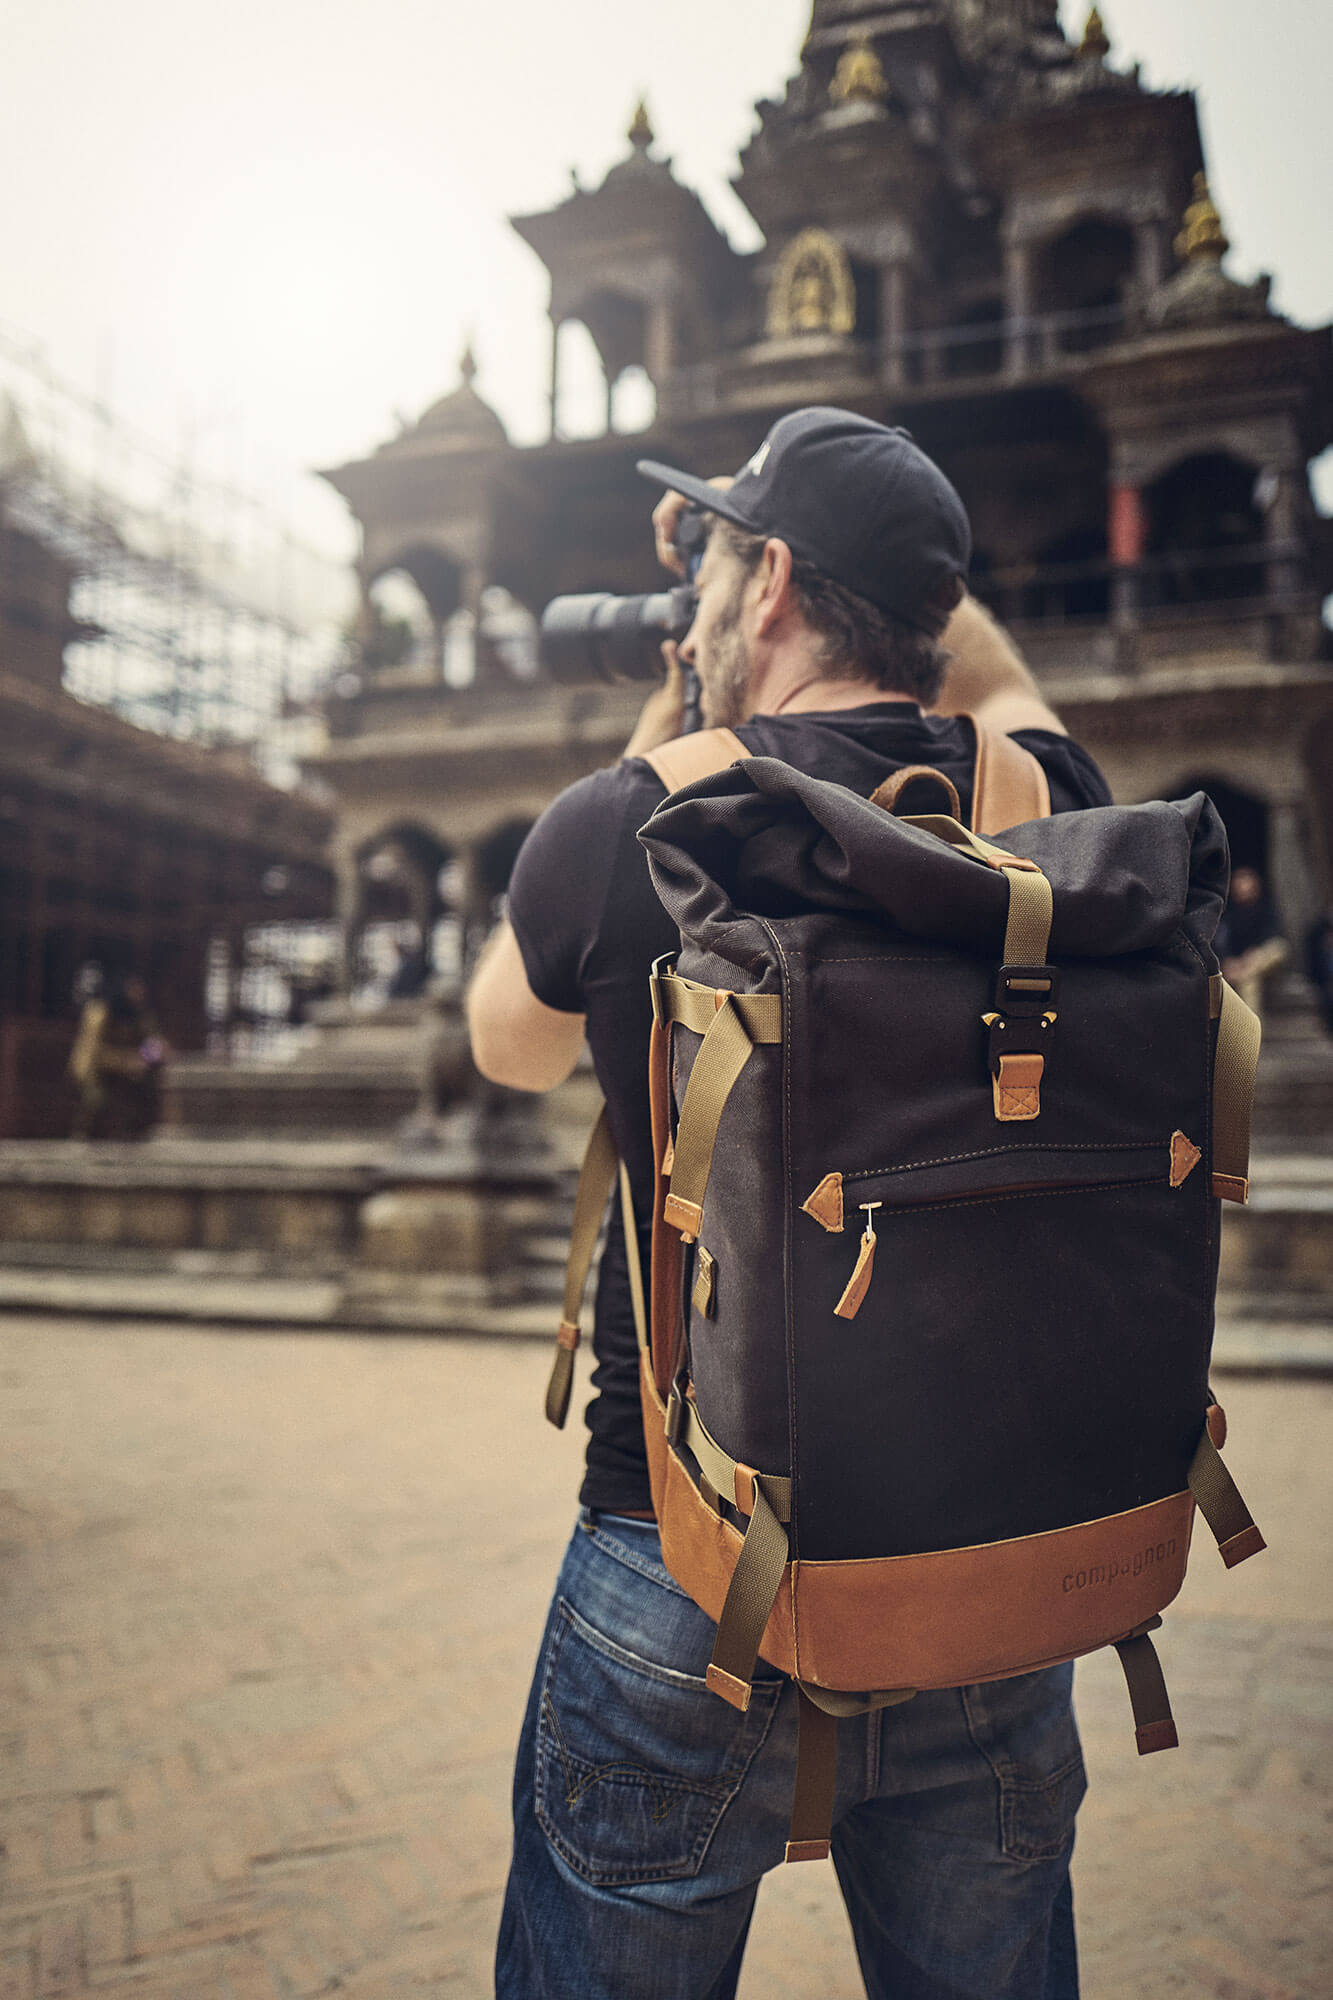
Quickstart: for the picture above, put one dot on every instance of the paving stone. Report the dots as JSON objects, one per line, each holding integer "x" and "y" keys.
{"x": 267, "y": 1618}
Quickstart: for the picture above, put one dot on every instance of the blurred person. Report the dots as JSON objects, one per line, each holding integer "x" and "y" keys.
{"x": 1250, "y": 943}
{"x": 116, "y": 1063}
{"x": 806, "y": 668}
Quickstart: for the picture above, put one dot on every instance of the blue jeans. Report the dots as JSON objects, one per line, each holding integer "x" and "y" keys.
{"x": 646, "y": 1810}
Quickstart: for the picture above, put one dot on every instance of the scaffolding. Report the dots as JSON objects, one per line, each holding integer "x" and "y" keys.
{"x": 202, "y": 615}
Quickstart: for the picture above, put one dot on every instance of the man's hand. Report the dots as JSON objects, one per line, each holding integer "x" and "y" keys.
{"x": 662, "y": 716}
{"x": 516, "y": 1038}
{"x": 666, "y": 520}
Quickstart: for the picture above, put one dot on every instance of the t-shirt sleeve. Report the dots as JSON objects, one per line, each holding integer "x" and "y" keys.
{"x": 1075, "y": 778}
{"x": 559, "y": 886}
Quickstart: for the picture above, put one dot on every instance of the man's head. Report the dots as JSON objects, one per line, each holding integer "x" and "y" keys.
{"x": 839, "y": 542}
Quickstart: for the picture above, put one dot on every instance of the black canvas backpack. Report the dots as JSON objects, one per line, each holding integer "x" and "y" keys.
{"x": 941, "y": 1126}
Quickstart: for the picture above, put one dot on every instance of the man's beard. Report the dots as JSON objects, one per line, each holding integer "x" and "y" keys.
{"x": 725, "y": 687}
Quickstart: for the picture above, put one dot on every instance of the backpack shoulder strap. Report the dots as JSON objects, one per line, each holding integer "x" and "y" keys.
{"x": 698, "y": 756}
{"x": 1008, "y": 784}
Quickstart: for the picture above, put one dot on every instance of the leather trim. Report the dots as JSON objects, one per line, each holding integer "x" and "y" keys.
{"x": 1156, "y": 1736}
{"x": 1216, "y": 1420}
{"x": 720, "y": 1682}
{"x": 665, "y": 1331}
{"x": 687, "y": 1216}
{"x": 700, "y": 1548}
{"x": 888, "y": 793}
{"x": 807, "y": 1850}
{"x": 1231, "y": 1187}
{"x": 825, "y": 1204}
{"x": 1185, "y": 1157}
{"x": 1017, "y": 1088}
{"x": 962, "y": 1615}
{"x": 567, "y": 1335}
{"x": 1249, "y": 1542}
{"x": 689, "y": 758}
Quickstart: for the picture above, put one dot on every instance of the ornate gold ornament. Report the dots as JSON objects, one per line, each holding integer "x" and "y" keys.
{"x": 859, "y": 77}
{"x": 1203, "y": 239}
{"x": 640, "y": 133}
{"x": 812, "y": 289}
{"x": 1096, "y": 42}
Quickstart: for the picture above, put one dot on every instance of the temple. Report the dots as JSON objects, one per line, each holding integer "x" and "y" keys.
{"x": 974, "y": 227}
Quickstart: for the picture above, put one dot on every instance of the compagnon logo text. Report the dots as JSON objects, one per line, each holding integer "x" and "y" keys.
{"x": 1109, "y": 1572}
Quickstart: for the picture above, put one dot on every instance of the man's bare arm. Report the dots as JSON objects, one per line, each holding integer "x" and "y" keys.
{"x": 986, "y": 676}
{"x": 516, "y": 1038}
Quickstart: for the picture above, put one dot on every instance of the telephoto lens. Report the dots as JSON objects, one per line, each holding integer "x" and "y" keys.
{"x": 598, "y": 636}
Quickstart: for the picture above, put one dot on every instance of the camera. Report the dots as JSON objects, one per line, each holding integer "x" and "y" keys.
{"x": 598, "y": 636}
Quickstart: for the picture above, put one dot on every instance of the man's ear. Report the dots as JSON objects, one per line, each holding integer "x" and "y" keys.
{"x": 774, "y": 602}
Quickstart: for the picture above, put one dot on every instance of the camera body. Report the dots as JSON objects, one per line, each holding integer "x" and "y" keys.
{"x": 598, "y": 636}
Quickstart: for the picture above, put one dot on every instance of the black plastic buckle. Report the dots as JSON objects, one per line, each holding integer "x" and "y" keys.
{"x": 1024, "y": 1014}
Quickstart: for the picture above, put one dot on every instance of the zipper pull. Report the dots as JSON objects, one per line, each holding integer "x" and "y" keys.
{"x": 859, "y": 1283}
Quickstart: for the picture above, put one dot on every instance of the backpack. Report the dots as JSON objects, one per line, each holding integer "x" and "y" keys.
{"x": 926, "y": 1398}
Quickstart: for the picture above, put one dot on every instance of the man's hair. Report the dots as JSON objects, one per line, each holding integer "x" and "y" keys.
{"x": 855, "y": 637}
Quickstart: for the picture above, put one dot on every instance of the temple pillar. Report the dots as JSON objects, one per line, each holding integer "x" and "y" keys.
{"x": 894, "y": 290}
{"x": 660, "y": 344}
{"x": 554, "y": 392}
{"x": 1291, "y": 872}
{"x": 1150, "y": 254}
{"x": 1019, "y": 302}
{"x": 1127, "y": 541}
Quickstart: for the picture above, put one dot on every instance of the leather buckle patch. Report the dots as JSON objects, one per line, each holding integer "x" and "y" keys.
{"x": 1016, "y": 1087}
{"x": 1185, "y": 1156}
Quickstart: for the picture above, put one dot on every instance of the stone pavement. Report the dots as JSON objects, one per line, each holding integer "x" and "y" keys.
{"x": 268, "y": 1609}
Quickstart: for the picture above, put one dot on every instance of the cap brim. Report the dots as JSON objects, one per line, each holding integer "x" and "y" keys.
{"x": 714, "y": 499}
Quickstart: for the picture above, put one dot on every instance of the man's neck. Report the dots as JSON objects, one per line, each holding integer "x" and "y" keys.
{"x": 817, "y": 695}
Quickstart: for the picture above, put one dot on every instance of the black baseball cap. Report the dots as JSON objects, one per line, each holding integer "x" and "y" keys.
{"x": 860, "y": 501}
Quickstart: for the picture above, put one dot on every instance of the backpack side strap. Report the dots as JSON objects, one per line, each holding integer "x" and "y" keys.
{"x": 595, "y": 1177}
{"x": 1154, "y": 1725}
{"x": 1009, "y": 786}
{"x": 1235, "y": 1061}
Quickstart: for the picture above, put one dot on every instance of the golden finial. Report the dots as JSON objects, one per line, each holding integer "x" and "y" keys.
{"x": 640, "y": 134}
{"x": 467, "y": 364}
{"x": 1096, "y": 42}
{"x": 1203, "y": 239}
{"x": 859, "y": 77}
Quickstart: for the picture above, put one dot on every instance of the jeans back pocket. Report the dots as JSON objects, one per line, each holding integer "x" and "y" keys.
{"x": 636, "y": 1762}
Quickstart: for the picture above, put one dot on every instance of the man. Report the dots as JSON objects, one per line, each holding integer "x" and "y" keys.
{"x": 646, "y": 1810}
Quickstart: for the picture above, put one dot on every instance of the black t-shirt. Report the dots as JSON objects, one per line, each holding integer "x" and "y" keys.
{"x": 589, "y": 925}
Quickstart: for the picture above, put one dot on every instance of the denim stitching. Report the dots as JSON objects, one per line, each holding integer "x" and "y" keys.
{"x": 721, "y": 1794}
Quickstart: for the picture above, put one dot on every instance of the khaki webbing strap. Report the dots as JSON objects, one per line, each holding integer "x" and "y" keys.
{"x": 735, "y": 1482}
{"x": 816, "y": 1782}
{"x": 684, "y": 1000}
{"x": 633, "y": 1260}
{"x": 1027, "y": 934}
{"x": 1009, "y": 786}
{"x": 1154, "y": 1726}
{"x": 755, "y": 1583}
{"x": 1235, "y": 1062}
{"x": 595, "y": 1177}
{"x": 689, "y": 758}
{"x": 1218, "y": 1499}
{"x": 724, "y": 1054}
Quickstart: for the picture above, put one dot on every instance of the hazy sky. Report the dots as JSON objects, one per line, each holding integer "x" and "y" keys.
{"x": 273, "y": 220}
